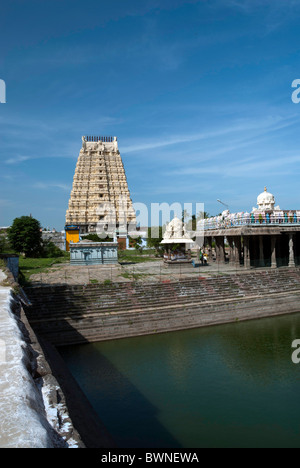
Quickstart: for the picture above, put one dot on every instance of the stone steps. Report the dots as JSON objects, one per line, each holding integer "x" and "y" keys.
{"x": 135, "y": 324}
{"x": 178, "y": 293}
{"x": 64, "y": 308}
{"x": 68, "y": 314}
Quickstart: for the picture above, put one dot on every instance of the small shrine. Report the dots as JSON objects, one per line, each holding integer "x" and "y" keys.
{"x": 87, "y": 252}
{"x": 177, "y": 243}
{"x": 266, "y": 202}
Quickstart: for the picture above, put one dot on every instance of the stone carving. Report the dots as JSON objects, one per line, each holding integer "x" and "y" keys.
{"x": 176, "y": 230}
{"x": 99, "y": 182}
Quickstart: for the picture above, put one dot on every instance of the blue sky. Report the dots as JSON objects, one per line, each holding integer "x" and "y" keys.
{"x": 198, "y": 93}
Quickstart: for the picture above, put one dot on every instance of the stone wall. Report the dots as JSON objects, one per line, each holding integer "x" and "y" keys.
{"x": 11, "y": 262}
{"x": 58, "y": 238}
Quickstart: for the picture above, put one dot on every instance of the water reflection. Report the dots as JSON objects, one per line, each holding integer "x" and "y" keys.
{"x": 129, "y": 416}
{"x": 227, "y": 386}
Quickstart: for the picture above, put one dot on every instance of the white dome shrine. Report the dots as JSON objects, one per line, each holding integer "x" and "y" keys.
{"x": 176, "y": 233}
{"x": 266, "y": 201}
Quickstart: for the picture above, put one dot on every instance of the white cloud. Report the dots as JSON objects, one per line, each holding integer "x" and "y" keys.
{"x": 17, "y": 159}
{"x": 50, "y": 185}
{"x": 274, "y": 13}
{"x": 258, "y": 127}
{"x": 258, "y": 165}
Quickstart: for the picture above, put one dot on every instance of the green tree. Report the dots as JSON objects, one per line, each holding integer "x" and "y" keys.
{"x": 155, "y": 236}
{"x": 2, "y": 244}
{"x": 25, "y": 236}
{"x": 139, "y": 245}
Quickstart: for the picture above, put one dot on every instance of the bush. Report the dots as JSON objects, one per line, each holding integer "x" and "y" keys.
{"x": 2, "y": 244}
{"x": 50, "y": 250}
{"x": 96, "y": 238}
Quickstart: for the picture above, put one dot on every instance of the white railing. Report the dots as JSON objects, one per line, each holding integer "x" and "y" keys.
{"x": 250, "y": 219}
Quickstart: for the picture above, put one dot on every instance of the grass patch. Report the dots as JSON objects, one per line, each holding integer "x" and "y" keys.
{"x": 133, "y": 256}
{"x": 107, "y": 282}
{"x": 134, "y": 276}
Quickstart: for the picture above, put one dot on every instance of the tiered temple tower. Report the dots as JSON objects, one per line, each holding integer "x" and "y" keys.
{"x": 100, "y": 199}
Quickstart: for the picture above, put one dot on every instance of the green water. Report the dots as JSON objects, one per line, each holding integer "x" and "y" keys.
{"x": 227, "y": 386}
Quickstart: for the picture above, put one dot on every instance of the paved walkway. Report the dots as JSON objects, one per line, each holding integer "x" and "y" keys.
{"x": 147, "y": 271}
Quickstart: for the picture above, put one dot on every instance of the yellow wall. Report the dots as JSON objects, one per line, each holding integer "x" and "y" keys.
{"x": 71, "y": 236}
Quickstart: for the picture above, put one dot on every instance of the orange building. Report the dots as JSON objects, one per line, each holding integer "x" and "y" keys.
{"x": 72, "y": 235}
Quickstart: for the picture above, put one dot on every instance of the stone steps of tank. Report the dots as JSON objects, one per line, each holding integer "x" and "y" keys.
{"x": 222, "y": 288}
{"x": 100, "y": 301}
{"x": 184, "y": 314}
{"x": 62, "y": 305}
{"x": 214, "y": 286}
{"x": 130, "y": 295}
{"x": 98, "y": 329}
{"x": 65, "y": 312}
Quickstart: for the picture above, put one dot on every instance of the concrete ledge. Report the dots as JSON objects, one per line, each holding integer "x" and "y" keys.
{"x": 32, "y": 409}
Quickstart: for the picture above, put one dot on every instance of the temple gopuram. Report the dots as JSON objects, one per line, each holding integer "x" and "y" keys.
{"x": 265, "y": 237}
{"x": 100, "y": 200}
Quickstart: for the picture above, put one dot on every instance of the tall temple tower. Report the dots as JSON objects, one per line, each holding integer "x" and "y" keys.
{"x": 100, "y": 200}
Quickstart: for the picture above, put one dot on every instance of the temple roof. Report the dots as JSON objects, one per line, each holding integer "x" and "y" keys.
{"x": 176, "y": 233}
{"x": 266, "y": 201}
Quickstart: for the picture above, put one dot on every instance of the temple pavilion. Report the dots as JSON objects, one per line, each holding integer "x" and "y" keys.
{"x": 265, "y": 237}
{"x": 177, "y": 243}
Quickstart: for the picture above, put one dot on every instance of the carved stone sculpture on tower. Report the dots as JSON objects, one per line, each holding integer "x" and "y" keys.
{"x": 100, "y": 198}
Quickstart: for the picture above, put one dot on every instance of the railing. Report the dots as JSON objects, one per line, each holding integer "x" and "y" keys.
{"x": 250, "y": 219}
{"x": 105, "y": 139}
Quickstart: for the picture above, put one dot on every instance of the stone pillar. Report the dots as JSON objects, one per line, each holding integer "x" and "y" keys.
{"x": 246, "y": 252}
{"x": 210, "y": 254}
{"x": 261, "y": 252}
{"x": 231, "y": 250}
{"x": 217, "y": 243}
{"x": 189, "y": 254}
{"x": 220, "y": 249}
{"x": 237, "y": 251}
{"x": 273, "y": 252}
{"x": 292, "y": 254}
{"x": 254, "y": 250}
